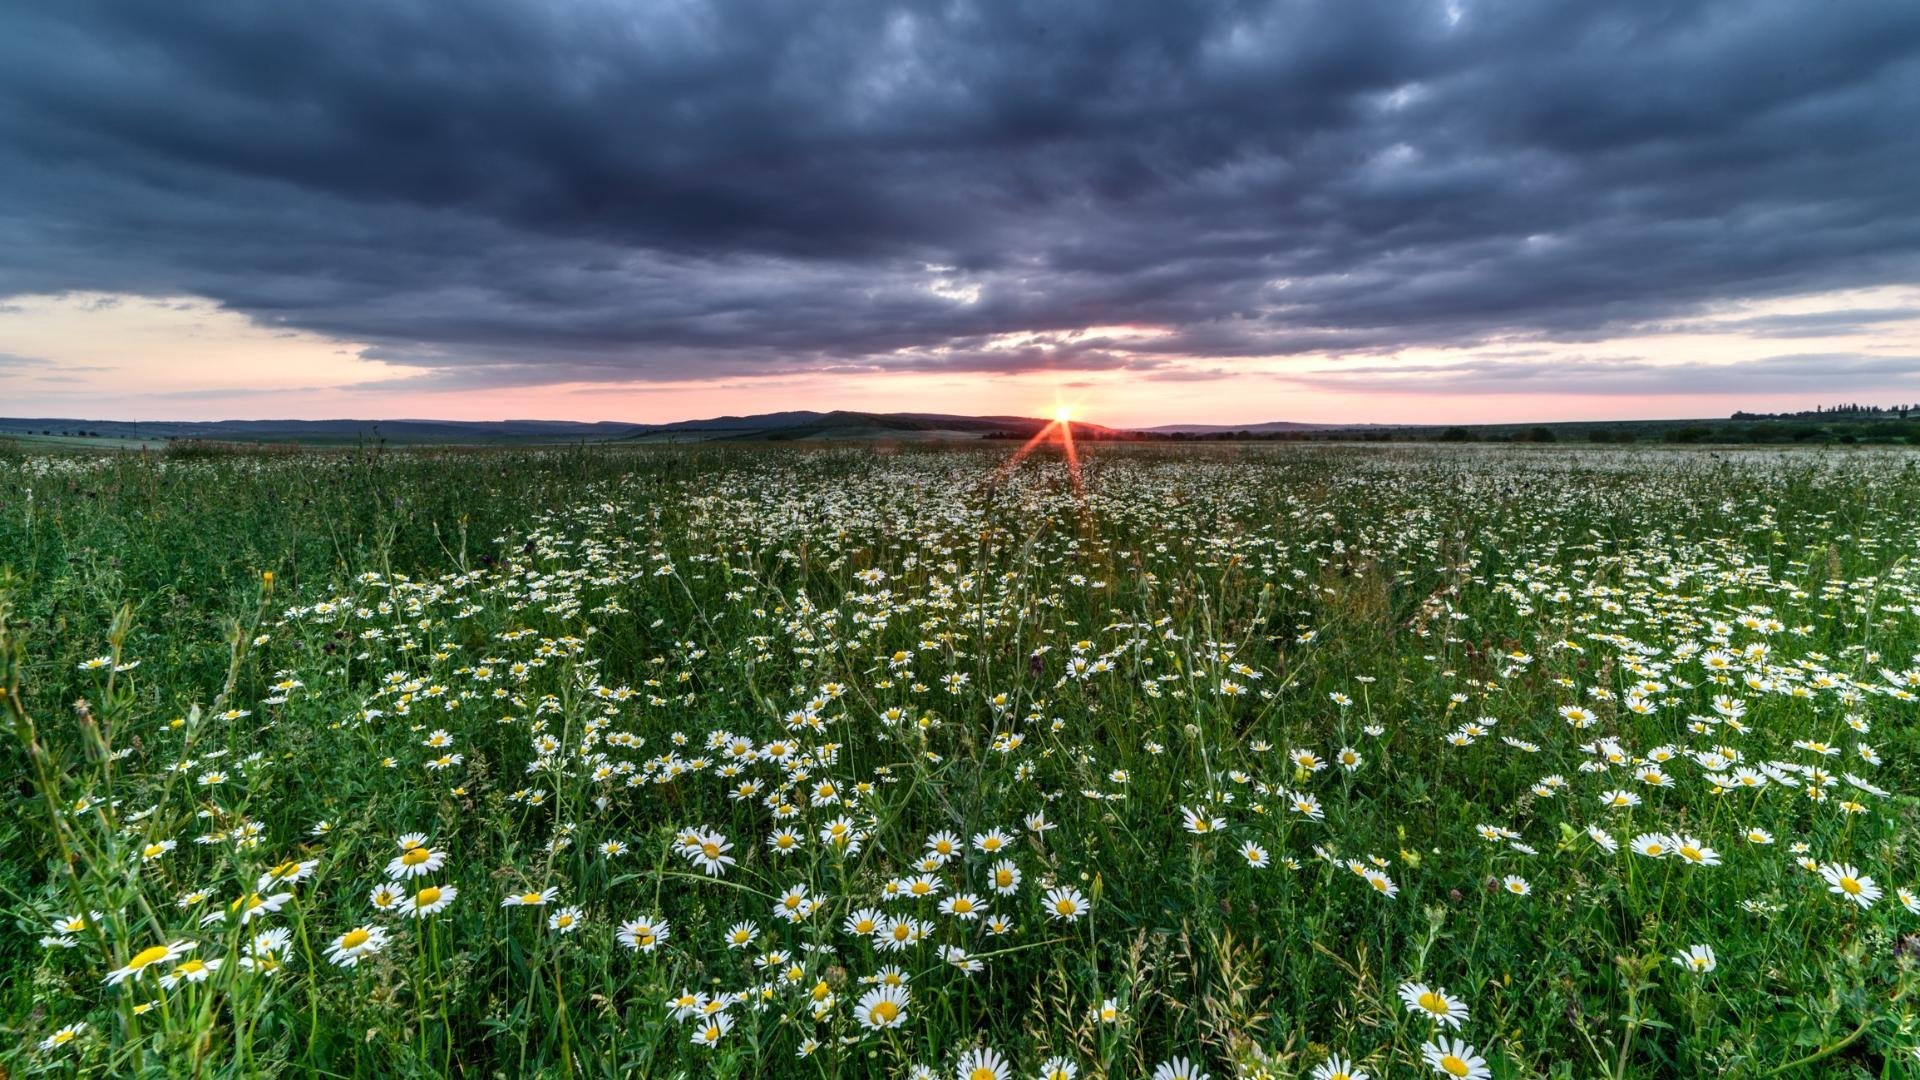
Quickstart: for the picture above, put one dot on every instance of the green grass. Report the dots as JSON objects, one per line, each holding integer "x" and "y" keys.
{"x": 952, "y": 647}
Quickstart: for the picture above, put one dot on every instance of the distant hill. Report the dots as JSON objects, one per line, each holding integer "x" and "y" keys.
{"x": 1267, "y": 428}
{"x": 841, "y": 424}
{"x": 779, "y": 426}
{"x": 332, "y": 432}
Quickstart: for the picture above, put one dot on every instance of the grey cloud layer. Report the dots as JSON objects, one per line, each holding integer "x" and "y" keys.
{"x": 514, "y": 191}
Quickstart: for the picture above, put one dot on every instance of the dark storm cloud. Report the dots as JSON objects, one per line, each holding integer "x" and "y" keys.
{"x": 518, "y": 191}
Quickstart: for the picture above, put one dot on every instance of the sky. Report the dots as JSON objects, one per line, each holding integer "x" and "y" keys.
{"x": 1199, "y": 211}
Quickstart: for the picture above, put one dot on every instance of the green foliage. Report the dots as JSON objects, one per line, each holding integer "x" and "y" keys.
{"x": 1405, "y": 683}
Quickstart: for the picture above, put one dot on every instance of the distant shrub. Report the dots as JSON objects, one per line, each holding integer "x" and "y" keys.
{"x": 1456, "y": 434}
{"x": 200, "y": 449}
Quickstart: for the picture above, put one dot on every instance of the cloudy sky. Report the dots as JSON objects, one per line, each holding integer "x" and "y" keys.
{"x": 1161, "y": 210}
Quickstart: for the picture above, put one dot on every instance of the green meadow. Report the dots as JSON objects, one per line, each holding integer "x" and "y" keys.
{"x": 896, "y": 761}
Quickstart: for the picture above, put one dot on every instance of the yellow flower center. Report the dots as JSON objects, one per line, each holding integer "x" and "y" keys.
{"x": 191, "y": 967}
{"x": 427, "y": 896}
{"x": 1850, "y": 885}
{"x": 530, "y": 898}
{"x": 885, "y": 1012}
{"x": 148, "y": 956}
{"x": 415, "y": 856}
{"x": 355, "y": 939}
{"x": 982, "y": 1073}
{"x": 1434, "y": 1003}
{"x": 1453, "y": 1066}
{"x": 1065, "y": 907}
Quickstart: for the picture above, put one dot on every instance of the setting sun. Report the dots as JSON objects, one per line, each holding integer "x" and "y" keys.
{"x": 1062, "y": 413}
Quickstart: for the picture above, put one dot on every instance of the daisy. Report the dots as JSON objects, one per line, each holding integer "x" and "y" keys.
{"x": 863, "y": 922}
{"x": 189, "y": 971}
{"x": 1380, "y": 882}
{"x": 566, "y": 920}
{"x": 1845, "y": 880}
{"x": 145, "y": 959}
{"x": 532, "y": 899}
{"x": 1653, "y": 845}
{"x": 1066, "y": 903}
{"x": 882, "y": 1007}
{"x": 1434, "y": 1003}
{"x": 994, "y": 841}
{"x": 1453, "y": 1058}
{"x": 646, "y": 933}
{"x": 1058, "y": 1068}
{"x": 962, "y": 959}
{"x": 62, "y": 1037}
{"x": 1005, "y": 877}
{"x": 964, "y": 906}
{"x": 1255, "y": 855}
{"x": 983, "y": 1063}
{"x": 742, "y": 934}
{"x": 1338, "y": 1068}
{"x": 1178, "y": 1069}
{"x": 794, "y": 904}
{"x": 712, "y": 1028}
{"x": 708, "y": 851}
{"x": 1516, "y": 885}
{"x": 1691, "y": 850}
{"x": 348, "y": 948}
{"x": 1697, "y": 958}
{"x": 418, "y": 861}
{"x": 291, "y": 872}
{"x": 251, "y": 907}
{"x": 73, "y": 924}
{"x": 430, "y": 900}
{"x": 1201, "y": 821}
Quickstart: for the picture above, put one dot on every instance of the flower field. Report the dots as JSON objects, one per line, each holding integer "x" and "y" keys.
{"x": 1265, "y": 761}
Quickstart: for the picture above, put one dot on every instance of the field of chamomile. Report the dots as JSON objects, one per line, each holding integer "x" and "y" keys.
{"x": 1263, "y": 761}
